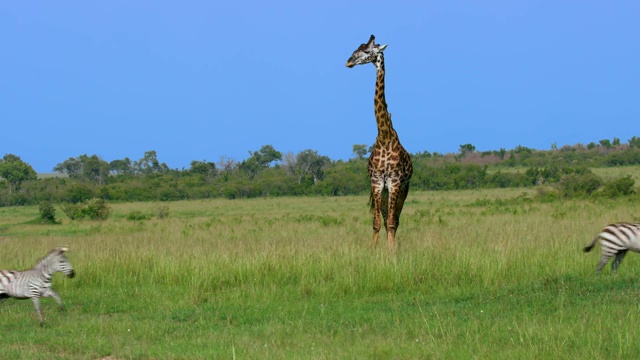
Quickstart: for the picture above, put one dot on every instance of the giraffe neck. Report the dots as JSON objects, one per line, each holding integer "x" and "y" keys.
{"x": 383, "y": 118}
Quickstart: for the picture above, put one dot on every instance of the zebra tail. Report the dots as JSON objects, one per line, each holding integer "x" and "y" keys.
{"x": 593, "y": 243}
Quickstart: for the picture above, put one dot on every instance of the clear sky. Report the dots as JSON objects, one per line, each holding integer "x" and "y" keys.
{"x": 198, "y": 80}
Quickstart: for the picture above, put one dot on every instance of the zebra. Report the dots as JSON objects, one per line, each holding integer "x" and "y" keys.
{"x": 36, "y": 283}
{"x": 617, "y": 239}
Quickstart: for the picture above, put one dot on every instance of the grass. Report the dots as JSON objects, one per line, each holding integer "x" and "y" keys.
{"x": 479, "y": 274}
{"x": 608, "y": 173}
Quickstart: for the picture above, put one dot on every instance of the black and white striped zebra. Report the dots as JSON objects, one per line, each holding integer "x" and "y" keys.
{"x": 36, "y": 283}
{"x": 616, "y": 239}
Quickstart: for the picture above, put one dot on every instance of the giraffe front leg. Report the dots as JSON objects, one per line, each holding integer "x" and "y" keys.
{"x": 376, "y": 198}
{"x": 36, "y": 303}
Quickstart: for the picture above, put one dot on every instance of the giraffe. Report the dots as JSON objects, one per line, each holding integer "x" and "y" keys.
{"x": 390, "y": 167}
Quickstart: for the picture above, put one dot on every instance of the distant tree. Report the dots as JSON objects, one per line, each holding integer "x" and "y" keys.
{"x": 149, "y": 164}
{"x": 307, "y": 164}
{"x": 226, "y": 164}
{"x": 313, "y": 164}
{"x": 89, "y": 168}
{"x": 95, "y": 169}
{"x": 554, "y": 146}
{"x": 466, "y": 149}
{"x": 634, "y": 142}
{"x": 421, "y": 155}
{"x": 207, "y": 169}
{"x": 267, "y": 155}
{"x": 290, "y": 164}
{"x": 121, "y": 167}
{"x": 606, "y": 143}
{"x": 360, "y": 150}
{"x": 591, "y": 145}
{"x": 226, "y": 167}
{"x": 72, "y": 167}
{"x": 260, "y": 160}
{"x": 616, "y": 141}
{"x": 523, "y": 150}
{"x": 15, "y": 171}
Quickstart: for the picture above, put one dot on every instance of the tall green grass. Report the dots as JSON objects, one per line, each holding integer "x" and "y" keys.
{"x": 478, "y": 274}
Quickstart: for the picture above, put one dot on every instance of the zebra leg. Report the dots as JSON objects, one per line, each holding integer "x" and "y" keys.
{"x": 603, "y": 262}
{"x": 53, "y": 294}
{"x": 616, "y": 262}
{"x": 36, "y": 303}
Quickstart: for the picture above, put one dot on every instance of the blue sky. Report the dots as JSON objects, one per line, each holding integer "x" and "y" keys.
{"x": 198, "y": 80}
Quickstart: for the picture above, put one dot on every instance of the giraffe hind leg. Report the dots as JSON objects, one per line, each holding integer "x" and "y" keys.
{"x": 402, "y": 196}
{"x": 396, "y": 203}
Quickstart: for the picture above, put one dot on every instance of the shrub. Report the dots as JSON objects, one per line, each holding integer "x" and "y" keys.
{"x": 97, "y": 209}
{"x": 48, "y": 212}
{"x": 162, "y": 212}
{"x": 578, "y": 184}
{"x": 136, "y": 215}
{"x": 619, "y": 187}
{"x": 73, "y": 211}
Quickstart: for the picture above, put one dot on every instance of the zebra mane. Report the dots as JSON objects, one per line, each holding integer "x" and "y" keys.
{"x": 53, "y": 253}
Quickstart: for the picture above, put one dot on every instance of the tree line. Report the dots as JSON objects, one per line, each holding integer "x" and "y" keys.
{"x": 268, "y": 172}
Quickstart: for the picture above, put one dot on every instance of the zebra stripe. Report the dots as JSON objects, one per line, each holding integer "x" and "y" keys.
{"x": 616, "y": 240}
{"x": 36, "y": 282}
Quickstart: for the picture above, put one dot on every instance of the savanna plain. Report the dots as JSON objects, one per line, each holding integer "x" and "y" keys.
{"x": 479, "y": 274}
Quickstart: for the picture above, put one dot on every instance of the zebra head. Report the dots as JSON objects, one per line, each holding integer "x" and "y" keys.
{"x": 57, "y": 261}
{"x": 63, "y": 265}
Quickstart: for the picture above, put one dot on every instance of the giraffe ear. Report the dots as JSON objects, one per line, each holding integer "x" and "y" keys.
{"x": 63, "y": 249}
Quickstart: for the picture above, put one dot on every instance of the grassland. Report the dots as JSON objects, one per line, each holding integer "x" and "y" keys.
{"x": 479, "y": 274}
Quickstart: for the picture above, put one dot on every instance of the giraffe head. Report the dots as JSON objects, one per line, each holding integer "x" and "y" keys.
{"x": 366, "y": 53}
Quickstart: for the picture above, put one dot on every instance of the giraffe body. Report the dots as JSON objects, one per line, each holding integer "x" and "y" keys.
{"x": 390, "y": 167}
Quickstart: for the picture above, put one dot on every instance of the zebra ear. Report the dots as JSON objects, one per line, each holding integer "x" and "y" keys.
{"x": 63, "y": 249}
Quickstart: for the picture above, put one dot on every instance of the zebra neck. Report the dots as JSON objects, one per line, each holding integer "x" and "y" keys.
{"x": 45, "y": 272}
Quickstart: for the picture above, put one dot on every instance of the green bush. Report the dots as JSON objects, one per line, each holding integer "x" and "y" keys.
{"x": 48, "y": 212}
{"x": 97, "y": 209}
{"x": 73, "y": 211}
{"x": 162, "y": 212}
{"x": 94, "y": 209}
{"x": 578, "y": 184}
{"x": 136, "y": 215}
{"x": 619, "y": 187}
